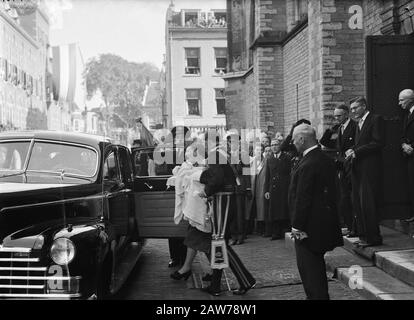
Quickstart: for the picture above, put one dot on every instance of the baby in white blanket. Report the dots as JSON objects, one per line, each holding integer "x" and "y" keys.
{"x": 190, "y": 200}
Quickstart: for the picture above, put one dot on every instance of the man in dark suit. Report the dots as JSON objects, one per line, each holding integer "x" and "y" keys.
{"x": 406, "y": 102}
{"x": 278, "y": 167}
{"x": 312, "y": 204}
{"x": 366, "y": 160}
{"x": 341, "y": 137}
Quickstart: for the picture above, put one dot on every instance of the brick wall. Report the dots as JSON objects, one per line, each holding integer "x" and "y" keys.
{"x": 372, "y": 18}
{"x": 346, "y": 56}
{"x": 337, "y": 66}
{"x": 271, "y": 15}
{"x": 241, "y": 102}
{"x": 315, "y": 62}
{"x": 325, "y": 61}
{"x": 388, "y": 17}
{"x": 296, "y": 79}
{"x": 269, "y": 69}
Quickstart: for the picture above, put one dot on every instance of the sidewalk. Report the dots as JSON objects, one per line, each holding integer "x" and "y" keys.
{"x": 270, "y": 262}
{"x": 383, "y": 272}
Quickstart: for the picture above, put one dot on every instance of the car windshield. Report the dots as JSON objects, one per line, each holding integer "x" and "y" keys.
{"x": 13, "y": 155}
{"x": 68, "y": 159}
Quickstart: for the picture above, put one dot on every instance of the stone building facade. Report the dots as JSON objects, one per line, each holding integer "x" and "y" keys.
{"x": 23, "y": 53}
{"x": 195, "y": 60}
{"x": 293, "y": 59}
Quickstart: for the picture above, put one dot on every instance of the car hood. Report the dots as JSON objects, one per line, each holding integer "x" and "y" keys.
{"x": 38, "y": 207}
{"x": 18, "y": 194}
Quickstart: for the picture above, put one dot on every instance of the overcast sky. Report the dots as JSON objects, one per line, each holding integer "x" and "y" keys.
{"x": 133, "y": 29}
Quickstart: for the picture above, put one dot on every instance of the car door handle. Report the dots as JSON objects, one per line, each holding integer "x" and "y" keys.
{"x": 149, "y": 186}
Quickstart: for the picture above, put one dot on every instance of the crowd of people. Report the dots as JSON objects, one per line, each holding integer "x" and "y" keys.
{"x": 211, "y": 22}
{"x": 290, "y": 185}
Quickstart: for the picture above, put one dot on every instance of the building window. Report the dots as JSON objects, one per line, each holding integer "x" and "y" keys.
{"x": 220, "y": 101}
{"x": 191, "y": 19}
{"x": 7, "y": 72}
{"x": 24, "y": 80}
{"x": 14, "y": 74}
{"x": 192, "y": 61}
{"x": 2, "y": 69}
{"x": 193, "y": 97}
{"x": 221, "y": 17}
{"x": 221, "y": 60}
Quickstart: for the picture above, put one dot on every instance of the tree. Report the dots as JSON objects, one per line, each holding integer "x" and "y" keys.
{"x": 121, "y": 82}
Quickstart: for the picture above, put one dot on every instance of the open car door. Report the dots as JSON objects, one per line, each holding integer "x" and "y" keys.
{"x": 154, "y": 201}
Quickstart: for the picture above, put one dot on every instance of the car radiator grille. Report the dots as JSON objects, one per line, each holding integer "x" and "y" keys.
{"x": 21, "y": 273}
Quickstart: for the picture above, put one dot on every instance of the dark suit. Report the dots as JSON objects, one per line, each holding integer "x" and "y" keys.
{"x": 312, "y": 204}
{"x": 367, "y": 178}
{"x": 277, "y": 184}
{"x": 335, "y": 139}
{"x": 409, "y": 139}
{"x": 221, "y": 178}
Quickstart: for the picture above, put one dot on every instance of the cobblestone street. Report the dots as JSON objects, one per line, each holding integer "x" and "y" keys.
{"x": 273, "y": 266}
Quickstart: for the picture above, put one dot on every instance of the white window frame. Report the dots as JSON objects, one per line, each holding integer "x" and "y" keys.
{"x": 187, "y": 68}
{"x": 199, "y": 102}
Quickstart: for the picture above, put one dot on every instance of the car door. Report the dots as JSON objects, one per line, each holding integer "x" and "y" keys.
{"x": 127, "y": 178}
{"x": 154, "y": 200}
{"x": 117, "y": 192}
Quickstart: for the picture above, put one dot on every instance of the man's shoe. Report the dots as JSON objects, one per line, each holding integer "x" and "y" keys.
{"x": 409, "y": 220}
{"x": 234, "y": 242}
{"x": 209, "y": 290}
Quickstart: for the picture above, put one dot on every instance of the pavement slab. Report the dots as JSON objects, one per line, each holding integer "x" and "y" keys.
{"x": 373, "y": 283}
{"x": 393, "y": 240}
{"x": 399, "y": 264}
{"x": 273, "y": 266}
{"x": 342, "y": 258}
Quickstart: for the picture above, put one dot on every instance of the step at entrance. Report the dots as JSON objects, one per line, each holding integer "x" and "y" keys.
{"x": 383, "y": 272}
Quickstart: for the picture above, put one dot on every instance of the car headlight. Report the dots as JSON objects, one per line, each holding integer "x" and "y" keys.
{"x": 62, "y": 251}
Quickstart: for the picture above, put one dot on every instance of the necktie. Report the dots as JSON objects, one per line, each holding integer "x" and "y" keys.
{"x": 361, "y": 122}
{"x": 342, "y": 129}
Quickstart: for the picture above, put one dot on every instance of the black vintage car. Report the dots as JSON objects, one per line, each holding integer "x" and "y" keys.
{"x": 74, "y": 213}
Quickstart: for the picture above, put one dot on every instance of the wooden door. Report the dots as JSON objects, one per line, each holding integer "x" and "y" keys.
{"x": 390, "y": 69}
